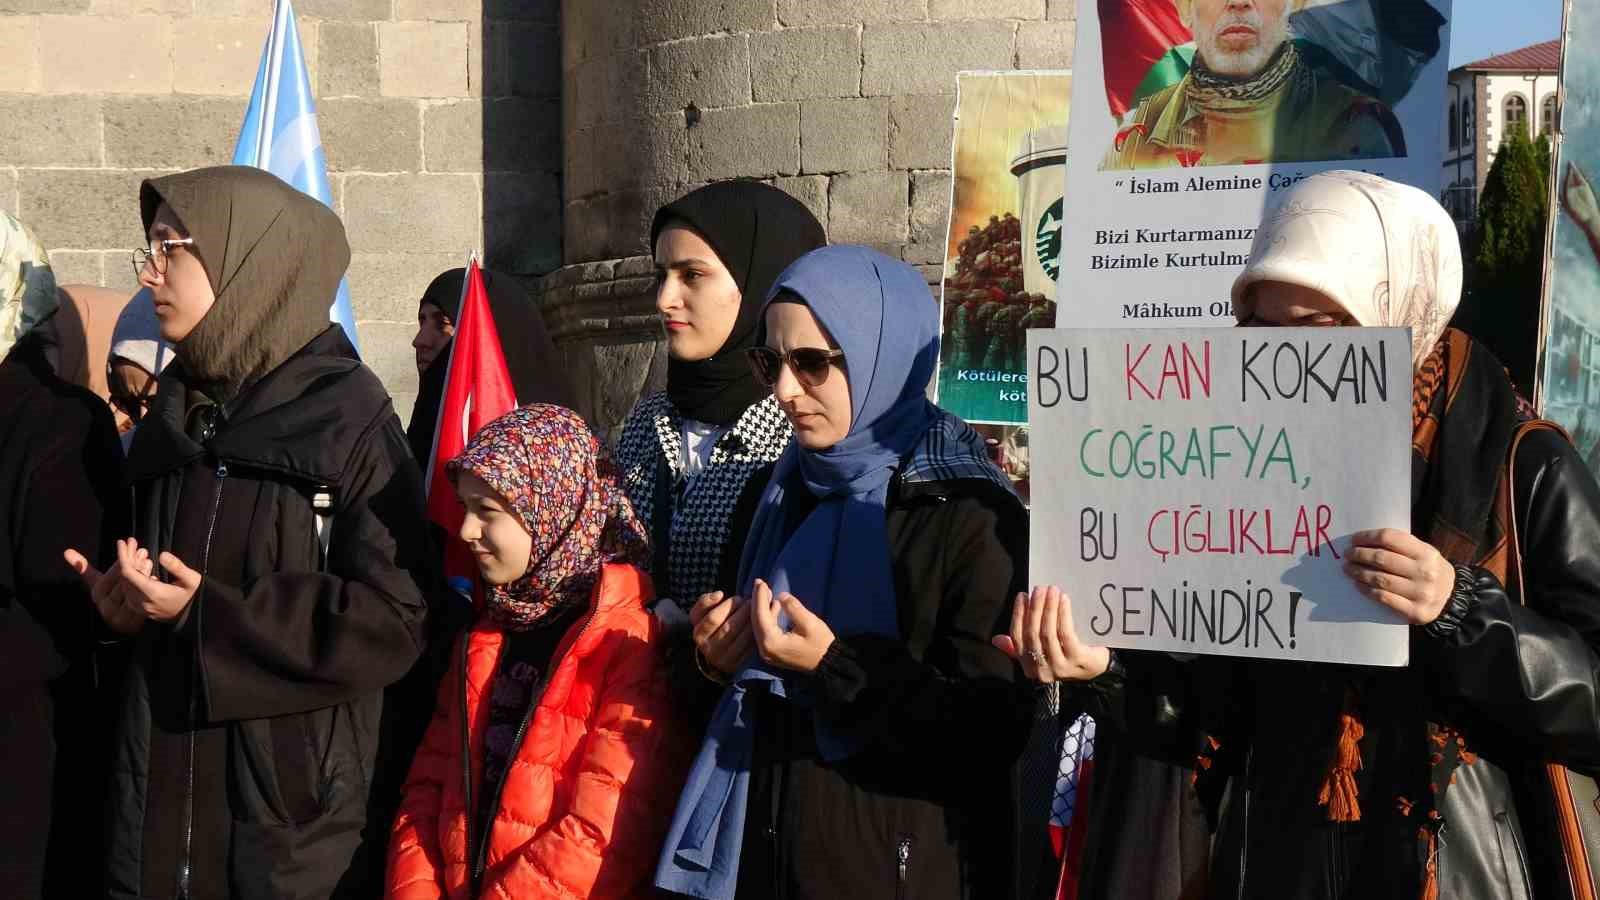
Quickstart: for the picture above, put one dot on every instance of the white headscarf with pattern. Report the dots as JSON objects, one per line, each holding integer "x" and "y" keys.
{"x": 1386, "y": 252}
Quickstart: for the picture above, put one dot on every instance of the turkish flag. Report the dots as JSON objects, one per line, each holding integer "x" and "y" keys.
{"x": 477, "y": 390}
{"x": 1138, "y": 44}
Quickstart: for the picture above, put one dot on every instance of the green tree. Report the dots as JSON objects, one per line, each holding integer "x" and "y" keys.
{"x": 1502, "y": 308}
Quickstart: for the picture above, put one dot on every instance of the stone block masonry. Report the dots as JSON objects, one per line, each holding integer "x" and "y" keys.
{"x": 801, "y": 93}
{"x": 545, "y": 132}
{"x": 806, "y": 63}
{"x": 440, "y": 121}
{"x": 924, "y": 58}
{"x": 845, "y": 104}
{"x": 844, "y": 135}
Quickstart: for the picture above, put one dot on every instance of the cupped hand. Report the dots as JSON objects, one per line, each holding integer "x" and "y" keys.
{"x": 1044, "y": 641}
{"x": 721, "y": 628}
{"x": 159, "y": 600}
{"x": 802, "y": 646}
{"x": 107, "y": 592}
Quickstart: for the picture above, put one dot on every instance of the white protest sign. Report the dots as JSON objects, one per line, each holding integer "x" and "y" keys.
{"x": 1188, "y": 116}
{"x": 1195, "y": 490}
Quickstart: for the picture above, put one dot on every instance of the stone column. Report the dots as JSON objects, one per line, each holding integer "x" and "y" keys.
{"x": 846, "y": 104}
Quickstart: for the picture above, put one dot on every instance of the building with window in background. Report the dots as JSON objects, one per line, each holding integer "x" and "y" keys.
{"x": 1485, "y": 101}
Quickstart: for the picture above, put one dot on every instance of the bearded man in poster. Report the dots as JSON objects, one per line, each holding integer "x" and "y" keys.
{"x": 1253, "y": 96}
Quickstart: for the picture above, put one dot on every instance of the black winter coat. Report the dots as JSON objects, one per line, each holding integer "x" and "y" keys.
{"x": 59, "y": 468}
{"x": 1148, "y": 837}
{"x": 927, "y": 811}
{"x": 1521, "y": 682}
{"x": 251, "y": 723}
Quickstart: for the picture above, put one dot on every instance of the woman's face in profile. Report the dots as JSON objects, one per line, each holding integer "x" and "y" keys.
{"x": 177, "y": 281}
{"x": 434, "y": 331}
{"x": 695, "y": 294}
{"x": 491, "y": 530}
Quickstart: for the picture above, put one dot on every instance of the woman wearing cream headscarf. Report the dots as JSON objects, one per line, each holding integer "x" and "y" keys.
{"x": 59, "y": 471}
{"x": 27, "y": 286}
{"x": 1427, "y": 781}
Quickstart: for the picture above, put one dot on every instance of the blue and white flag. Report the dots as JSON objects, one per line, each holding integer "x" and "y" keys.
{"x": 280, "y": 131}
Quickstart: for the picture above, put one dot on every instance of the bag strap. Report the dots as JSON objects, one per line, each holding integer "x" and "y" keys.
{"x": 1580, "y": 874}
{"x": 322, "y": 508}
{"x": 1514, "y": 565}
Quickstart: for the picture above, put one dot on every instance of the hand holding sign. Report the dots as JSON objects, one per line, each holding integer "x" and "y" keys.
{"x": 1043, "y": 640}
{"x": 1199, "y": 491}
{"x": 1401, "y": 571}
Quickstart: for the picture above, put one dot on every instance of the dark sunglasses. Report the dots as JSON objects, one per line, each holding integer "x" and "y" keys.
{"x": 810, "y": 364}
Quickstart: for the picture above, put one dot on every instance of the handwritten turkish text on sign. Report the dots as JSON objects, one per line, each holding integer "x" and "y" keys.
{"x": 1196, "y": 490}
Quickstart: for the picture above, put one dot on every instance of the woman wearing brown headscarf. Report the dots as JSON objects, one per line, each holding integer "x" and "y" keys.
{"x": 59, "y": 468}
{"x": 271, "y": 591}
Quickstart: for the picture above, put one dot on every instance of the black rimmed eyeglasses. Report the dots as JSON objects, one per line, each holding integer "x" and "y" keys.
{"x": 157, "y": 253}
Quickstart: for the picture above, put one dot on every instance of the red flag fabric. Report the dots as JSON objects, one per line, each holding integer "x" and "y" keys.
{"x": 477, "y": 390}
{"x": 1137, "y": 37}
{"x": 1069, "y": 841}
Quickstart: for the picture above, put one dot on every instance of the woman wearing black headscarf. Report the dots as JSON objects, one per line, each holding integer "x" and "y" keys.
{"x": 534, "y": 363}
{"x": 696, "y": 456}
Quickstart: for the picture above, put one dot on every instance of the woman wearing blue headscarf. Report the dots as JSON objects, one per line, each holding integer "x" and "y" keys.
{"x": 865, "y": 748}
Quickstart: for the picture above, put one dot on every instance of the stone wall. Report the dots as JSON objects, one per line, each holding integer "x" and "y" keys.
{"x": 846, "y": 104}
{"x": 843, "y": 103}
{"x": 440, "y": 120}
{"x": 602, "y": 317}
{"x": 545, "y": 132}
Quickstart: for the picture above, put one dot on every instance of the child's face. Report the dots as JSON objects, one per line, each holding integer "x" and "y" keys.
{"x": 495, "y": 535}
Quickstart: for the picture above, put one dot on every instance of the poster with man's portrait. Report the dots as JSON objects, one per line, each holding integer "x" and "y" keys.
{"x": 1193, "y": 112}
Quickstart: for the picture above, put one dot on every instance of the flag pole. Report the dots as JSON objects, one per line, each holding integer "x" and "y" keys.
{"x": 269, "y": 106}
{"x": 449, "y": 363}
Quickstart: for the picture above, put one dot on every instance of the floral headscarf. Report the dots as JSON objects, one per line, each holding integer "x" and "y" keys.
{"x": 553, "y": 473}
{"x": 27, "y": 287}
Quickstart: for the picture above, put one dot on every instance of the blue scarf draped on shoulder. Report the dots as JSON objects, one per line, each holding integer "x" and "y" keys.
{"x": 879, "y": 312}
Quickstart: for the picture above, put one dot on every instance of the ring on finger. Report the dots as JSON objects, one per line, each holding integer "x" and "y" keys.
{"x": 1037, "y": 657}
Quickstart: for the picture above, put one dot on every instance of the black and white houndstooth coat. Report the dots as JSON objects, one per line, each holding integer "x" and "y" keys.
{"x": 697, "y": 526}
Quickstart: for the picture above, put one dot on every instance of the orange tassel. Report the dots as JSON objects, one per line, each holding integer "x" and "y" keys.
{"x": 1202, "y": 760}
{"x": 1339, "y": 792}
{"x": 1430, "y": 882}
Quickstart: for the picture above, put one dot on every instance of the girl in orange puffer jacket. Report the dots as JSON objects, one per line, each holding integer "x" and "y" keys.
{"x": 551, "y": 766}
